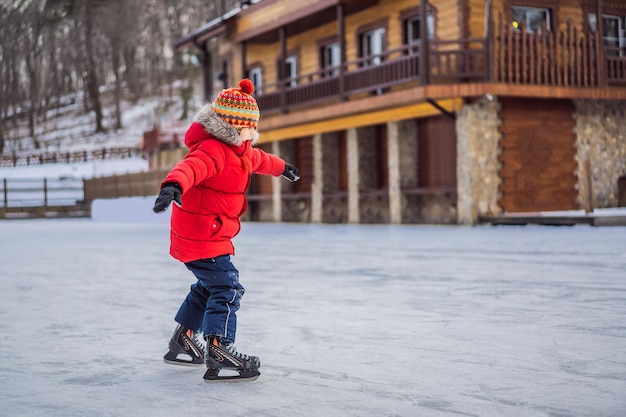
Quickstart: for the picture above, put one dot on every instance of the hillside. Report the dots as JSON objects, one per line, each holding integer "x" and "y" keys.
{"x": 69, "y": 129}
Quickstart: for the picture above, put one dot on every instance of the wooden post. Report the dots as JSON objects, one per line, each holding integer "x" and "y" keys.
{"x": 45, "y": 192}
{"x": 489, "y": 43}
{"x": 600, "y": 45}
{"x": 341, "y": 30}
{"x": 244, "y": 63}
{"x": 85, "y": 191}
{"x": 281, "y": 67}
{"x": 6, "y": 192}
{"x": 207, "y": 70}
{"x": 424, "y": 45}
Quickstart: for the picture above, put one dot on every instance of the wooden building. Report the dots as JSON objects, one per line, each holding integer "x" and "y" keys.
{"x": 440, "y": 111}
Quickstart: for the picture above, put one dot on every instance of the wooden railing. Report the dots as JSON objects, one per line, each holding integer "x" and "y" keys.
{"x": 561, "y": 58}
{"x": 40, "y": 192}
{"x": 68, "y": 157}
{"x": 365, "y": 74}
{"x": 71, "y": 197}
{"x": 567, "y": 58}
{"x": 615, "y": 66}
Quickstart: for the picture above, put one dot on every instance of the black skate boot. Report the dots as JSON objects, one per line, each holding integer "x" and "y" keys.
{"x": 224, "y": 363}
{"x": 186, "y": 348}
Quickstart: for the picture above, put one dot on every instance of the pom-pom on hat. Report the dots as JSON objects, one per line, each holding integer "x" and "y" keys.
{"x": 237, "y": 107}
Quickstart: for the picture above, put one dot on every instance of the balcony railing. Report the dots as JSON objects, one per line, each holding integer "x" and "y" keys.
{"x": 565, "y": 58}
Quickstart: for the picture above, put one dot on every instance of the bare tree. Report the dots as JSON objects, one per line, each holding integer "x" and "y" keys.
{"x": 52, "y": 49}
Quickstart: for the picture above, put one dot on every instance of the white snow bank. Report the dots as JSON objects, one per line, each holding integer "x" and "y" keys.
{"x": 128, "y": 210}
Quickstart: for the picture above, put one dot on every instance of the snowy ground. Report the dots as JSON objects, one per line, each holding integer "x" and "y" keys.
{"x": 348, "y": 321}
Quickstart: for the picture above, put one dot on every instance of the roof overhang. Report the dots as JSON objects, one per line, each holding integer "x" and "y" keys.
{"x": 216, "y": 27}
{"x": 317, "y": 13}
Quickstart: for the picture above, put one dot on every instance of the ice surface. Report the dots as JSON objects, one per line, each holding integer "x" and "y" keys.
{"x": 348, "y": 321}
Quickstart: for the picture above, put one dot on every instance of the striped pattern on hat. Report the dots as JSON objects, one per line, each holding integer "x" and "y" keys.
{"x": 237, "y": 107}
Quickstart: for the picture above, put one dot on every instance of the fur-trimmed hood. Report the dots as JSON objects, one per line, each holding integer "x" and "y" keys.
{"x": 218, "y": 128}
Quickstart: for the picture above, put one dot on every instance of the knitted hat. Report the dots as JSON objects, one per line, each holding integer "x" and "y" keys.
{"x": 237, "y": 107}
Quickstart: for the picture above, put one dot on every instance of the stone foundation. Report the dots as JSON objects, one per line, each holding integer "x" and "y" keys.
{"x": 478, "y": 139}
{"x": 601, "y": 143}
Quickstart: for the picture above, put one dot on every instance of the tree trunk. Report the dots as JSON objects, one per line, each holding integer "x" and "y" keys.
{"x": 93, "y": 86}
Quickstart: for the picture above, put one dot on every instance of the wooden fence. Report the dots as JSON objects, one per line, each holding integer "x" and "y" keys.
{"x": 68, "y": 157}
{"x": 37, "y": 197}
{"x": 140, "y": 184}
{"x": 72, "y": 197}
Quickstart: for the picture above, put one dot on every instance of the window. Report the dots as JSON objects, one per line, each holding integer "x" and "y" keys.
{"x": 372, "y": 46}
{"x": 533, "y": 18}
{"x": 613, "y": 30}
{"x": 291, "y": 71}
{"x": 331, "y": 58}
{"x": 256, "y": 76}
{"x": 414, "y": 28}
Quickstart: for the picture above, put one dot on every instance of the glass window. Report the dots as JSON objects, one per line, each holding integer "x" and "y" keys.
{"x": 613, "y": 29}
{"x": 414, "y": 28}
{"x": 256, "y": 76}
{"x": 372, "y": 46}
{"x": 532, "y": 16}
{"x": 331, "y": 58}
{"x": 291, "y": 71}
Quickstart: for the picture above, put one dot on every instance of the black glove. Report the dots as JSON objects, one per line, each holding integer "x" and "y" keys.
{"x": 291, "y": 173}
{"x": 170, "y": 191}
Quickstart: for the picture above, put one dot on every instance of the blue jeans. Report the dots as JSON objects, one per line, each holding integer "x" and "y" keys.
{"x": 213, "y": 301}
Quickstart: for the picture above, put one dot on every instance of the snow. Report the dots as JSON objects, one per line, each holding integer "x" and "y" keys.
{"x": 348, "y": 320}
{"x": 89, "y": 169}
{"x": 70, "y": 129}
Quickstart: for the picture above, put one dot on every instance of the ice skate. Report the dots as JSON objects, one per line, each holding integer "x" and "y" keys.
{"x": 186, "y": 348}
{"x": 224, "y": 363}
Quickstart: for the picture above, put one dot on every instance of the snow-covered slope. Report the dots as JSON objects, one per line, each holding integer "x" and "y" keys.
{"x": 70, "y": 129}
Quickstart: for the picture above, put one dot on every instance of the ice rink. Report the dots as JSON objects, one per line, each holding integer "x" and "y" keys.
{"x": 347, "y": 320}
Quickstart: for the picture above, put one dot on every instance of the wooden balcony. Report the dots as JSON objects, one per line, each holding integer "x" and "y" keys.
{"x": 564, "y": 59}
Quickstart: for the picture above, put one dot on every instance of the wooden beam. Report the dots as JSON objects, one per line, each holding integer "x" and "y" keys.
{"x": 414, "y": 111}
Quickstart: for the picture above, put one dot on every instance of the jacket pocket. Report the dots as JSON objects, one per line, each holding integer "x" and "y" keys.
{"x": 228, "y": 228}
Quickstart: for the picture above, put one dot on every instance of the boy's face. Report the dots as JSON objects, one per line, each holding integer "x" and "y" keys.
{"x": 246, "y": 133}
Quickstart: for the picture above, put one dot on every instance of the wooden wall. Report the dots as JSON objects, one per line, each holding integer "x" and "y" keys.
{"x": 436, "y": 152}
{"x": 537, "y": 155}
{"x": 453, "y": 19}
{"x": 306, "y": 45}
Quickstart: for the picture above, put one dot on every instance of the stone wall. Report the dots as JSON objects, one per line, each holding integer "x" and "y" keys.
{"x": 334, "y": 208}
{"x": 438, "y": 208}
{"x": 291, "y": 210}
{"x": 478, "y": 139}
{"x": 600, "y": 140}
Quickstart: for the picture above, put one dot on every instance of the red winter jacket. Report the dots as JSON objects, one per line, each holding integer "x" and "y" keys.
{"x": 214, "y": 177}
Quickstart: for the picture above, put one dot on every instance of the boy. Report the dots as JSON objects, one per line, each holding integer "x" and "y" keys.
{"x": 208, "y": 188}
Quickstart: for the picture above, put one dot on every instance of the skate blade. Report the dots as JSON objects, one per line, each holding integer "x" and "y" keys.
{"x": 174, "y": 359}
{"x": 226, "y": 375}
